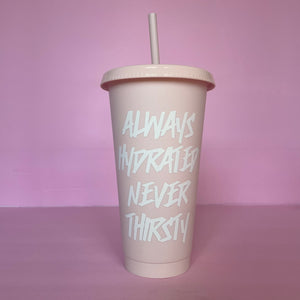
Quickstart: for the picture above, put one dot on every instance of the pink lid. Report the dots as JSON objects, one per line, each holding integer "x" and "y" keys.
{"x": 157, "y": 71}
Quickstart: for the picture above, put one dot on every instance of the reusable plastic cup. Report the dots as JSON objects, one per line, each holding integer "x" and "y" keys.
{"x": 157, "y": 116}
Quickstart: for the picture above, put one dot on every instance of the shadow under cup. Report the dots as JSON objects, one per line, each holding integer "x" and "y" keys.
{"x": 157, "y": 119}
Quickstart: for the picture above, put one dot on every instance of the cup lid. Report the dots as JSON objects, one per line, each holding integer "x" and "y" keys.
{"x": 157, "y": 71}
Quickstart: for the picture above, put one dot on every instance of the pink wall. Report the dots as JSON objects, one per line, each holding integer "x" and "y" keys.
{"x": 55, "y": 132}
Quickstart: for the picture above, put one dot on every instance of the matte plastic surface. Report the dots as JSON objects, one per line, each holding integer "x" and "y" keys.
{"x": 157, "y": 71}
{"x": 157, "y": 128}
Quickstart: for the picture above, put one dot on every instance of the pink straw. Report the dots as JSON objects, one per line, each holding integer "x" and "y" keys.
{"x": 153, "y": 38}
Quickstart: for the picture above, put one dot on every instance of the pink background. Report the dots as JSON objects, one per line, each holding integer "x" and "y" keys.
{"x": 55, "y": 131}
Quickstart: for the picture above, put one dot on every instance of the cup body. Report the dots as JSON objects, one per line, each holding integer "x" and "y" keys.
{"x": 157, "y": 128}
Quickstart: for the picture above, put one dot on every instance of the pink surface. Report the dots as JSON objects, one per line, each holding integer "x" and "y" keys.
{"x": 55, "y": 132}
{"x": 240, "y": 253}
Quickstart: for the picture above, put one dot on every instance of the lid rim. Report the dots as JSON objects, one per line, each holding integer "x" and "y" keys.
{"x": 157, "y": 71}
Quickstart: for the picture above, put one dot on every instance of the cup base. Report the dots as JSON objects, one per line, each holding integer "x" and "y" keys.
{"x": 157, "y": 270}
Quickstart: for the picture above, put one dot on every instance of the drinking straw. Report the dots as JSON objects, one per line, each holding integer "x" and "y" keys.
{"x": 153, "y": 38}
